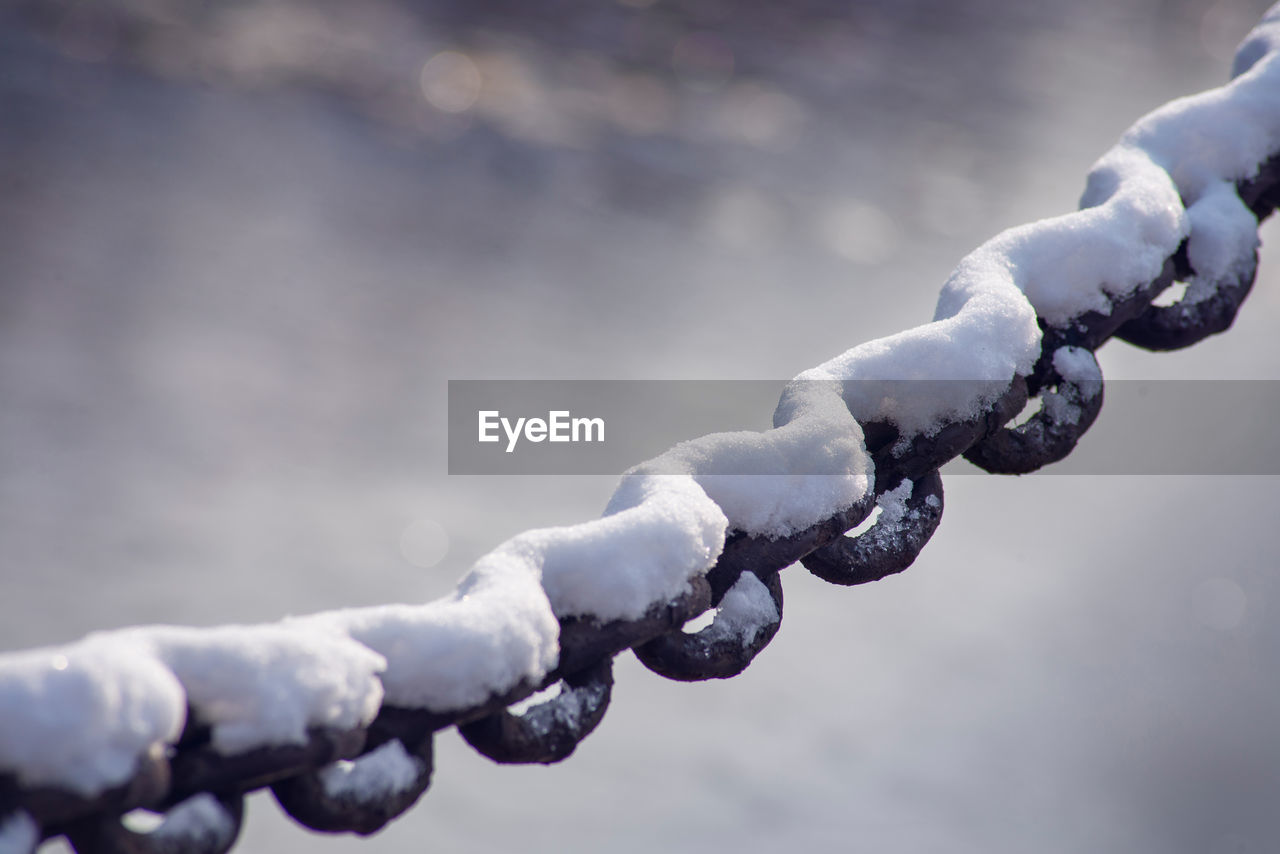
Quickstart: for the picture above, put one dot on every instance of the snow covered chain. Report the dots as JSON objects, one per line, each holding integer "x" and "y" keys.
{"x": 336, "y": 712}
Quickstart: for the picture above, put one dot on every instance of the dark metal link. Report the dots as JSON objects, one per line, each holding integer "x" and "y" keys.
{"x": 1172, "y": 327}
{"x": 765, "y": 556}
{"x": 193, "y": 834}
{"x": 1050, "y": 434}
{"x": 1261, "y": 193}
{"x": 1184, "y": 323}
{"x": 895, "y": 460}
{"x": 888, "y": 546}
{"x": 53, "y": 808}
{"x": 308, "y": 800}
{"x": 1091, "y": 329}
{"x": 202, "y": 769}
{"x": 711, "y": 653}
{"x": 583, "y": 642}
{"x": 549, "y": 731}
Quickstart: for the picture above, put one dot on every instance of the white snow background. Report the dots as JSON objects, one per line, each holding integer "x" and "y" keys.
{"x": 229, "y": 314}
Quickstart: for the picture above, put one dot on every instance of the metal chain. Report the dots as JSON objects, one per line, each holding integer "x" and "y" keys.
{"x": 201, "y": 791}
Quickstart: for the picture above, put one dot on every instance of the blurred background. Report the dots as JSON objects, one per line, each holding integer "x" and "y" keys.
{"x": 244, "y": 245}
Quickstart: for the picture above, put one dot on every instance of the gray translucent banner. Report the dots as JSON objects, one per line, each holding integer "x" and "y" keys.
{"x": 602, "y": 427}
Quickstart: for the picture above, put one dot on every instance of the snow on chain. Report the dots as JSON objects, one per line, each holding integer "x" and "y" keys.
{"x": 198, "y": 821}
{"x": 82, "y": 715}
{"x": 746, "y": 610}
{"x": 376, "y": 776}
{"x": 18, "y": 834}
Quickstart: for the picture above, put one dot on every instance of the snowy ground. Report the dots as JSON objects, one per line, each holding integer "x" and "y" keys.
{"x": 229, "y": 311}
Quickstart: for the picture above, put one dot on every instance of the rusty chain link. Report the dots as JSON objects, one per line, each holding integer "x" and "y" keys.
{"x": 200, "y": 791}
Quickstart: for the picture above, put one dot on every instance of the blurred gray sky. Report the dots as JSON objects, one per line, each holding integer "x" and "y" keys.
{"x": 244, "y": 246}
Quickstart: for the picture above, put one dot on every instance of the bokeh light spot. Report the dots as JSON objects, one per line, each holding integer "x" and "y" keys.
{"x": 743, "y": 218}
{"x": 1221, "y": 28}
{"x": 640, "y": 104}
{"x": 860, "y": 232}
{"x": 451, "y": 82}
{"x": 424, "y": 543}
